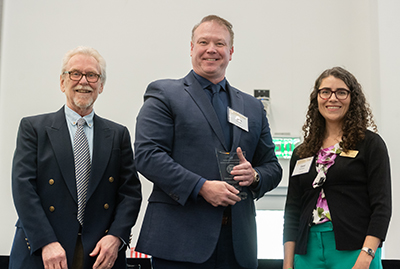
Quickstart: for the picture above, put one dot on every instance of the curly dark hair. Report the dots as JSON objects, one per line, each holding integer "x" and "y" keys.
{"x": 355, "y": 123}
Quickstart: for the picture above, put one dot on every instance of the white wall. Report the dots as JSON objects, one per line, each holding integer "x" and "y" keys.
{"x": 280, "y": 45}
{"x": 389, "y": 55}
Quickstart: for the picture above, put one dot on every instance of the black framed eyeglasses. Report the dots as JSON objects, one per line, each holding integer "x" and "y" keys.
{"x": 77, "y": 76}
{"x": 341, "y": 94}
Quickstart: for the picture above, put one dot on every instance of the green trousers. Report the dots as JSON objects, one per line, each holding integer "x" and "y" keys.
{"x": 322, "y": 252}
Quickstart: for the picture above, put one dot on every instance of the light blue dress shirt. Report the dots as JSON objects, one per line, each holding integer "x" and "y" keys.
{"x": 72, "y": 118}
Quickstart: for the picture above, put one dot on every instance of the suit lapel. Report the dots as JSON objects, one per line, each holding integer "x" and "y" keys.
{"x": 61, "y": 142}
{"x": 102, "y": 147}
{"x": 193, "y": 87}
{"x": 237, "y": 104}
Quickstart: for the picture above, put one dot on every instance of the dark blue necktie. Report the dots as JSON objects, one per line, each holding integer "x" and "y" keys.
{"x": 221, "y": 111}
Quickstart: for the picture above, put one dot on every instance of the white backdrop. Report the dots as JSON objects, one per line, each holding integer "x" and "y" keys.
{"x": 279, "y": 45}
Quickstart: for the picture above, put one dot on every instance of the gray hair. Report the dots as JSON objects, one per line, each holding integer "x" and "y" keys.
{"x": 89, "y": 52}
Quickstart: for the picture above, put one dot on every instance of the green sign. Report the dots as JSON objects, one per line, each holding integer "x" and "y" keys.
{"x": 284, "y": 146}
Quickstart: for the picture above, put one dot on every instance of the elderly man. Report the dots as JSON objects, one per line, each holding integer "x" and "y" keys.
{"x": 193, "y": 219}
{"x": 74, "y": 181}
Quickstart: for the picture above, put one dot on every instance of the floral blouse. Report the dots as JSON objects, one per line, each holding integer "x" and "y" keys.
{"x": 326, "y": 158}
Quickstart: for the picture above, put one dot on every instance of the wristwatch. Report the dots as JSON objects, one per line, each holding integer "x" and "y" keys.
{"x": 256, "y": 179}
{"x": 369, "y": 251}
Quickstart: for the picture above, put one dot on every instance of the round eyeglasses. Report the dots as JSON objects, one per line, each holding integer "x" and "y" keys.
{"x": 77, "y": 76}
{"x": 341, "y": 94}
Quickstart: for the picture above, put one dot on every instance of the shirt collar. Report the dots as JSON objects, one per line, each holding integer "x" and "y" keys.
{"x": 205, "y": 82}
{"x": 73, "y": 117}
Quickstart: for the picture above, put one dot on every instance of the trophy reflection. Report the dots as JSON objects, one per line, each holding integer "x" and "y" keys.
{"x": 226, "y": 162}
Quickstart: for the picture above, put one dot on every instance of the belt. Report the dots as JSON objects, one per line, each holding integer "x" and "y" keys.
{"x": 226, "y": 220}
{"x": 227, "y": 216}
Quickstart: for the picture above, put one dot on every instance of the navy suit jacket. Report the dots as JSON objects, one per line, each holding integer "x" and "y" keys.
{"x": 44, "y": 189}
{"x": 177, "y": 134}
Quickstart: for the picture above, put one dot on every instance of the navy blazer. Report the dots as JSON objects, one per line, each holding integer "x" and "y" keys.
{"x": 44, "y": 189}
{"x": 177, "y": 134}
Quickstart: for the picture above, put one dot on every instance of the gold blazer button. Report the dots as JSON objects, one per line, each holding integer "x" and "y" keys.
{"x": 106, "y": 206}
{"x": 52, "y": 208}
{"x": 51, "y": 181}
{"x": 111, "y": 179}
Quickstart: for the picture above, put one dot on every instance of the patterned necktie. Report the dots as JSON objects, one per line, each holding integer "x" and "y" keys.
{"x": 82, "y": 167}
{"x": 221, "y": 111}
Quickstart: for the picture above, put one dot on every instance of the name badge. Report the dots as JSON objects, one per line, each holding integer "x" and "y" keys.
{"x": 350, "y": 153}
{"x": 238, "y": 119}
{"x": 302, "y": 166}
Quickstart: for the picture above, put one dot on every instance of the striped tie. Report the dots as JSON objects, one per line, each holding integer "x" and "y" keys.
{"x": 82, "y": 167}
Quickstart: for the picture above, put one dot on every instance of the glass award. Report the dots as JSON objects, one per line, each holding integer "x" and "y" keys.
{"x": 226, "y": 162}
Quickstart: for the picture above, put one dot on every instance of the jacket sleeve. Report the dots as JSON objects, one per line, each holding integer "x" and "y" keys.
{"x": 129, "y": 196}
{"x": 154, "y": 142}
{"x": 379, "y": 187}
{"x": 293, "y": 205}
{"x": 24, "y": 189}
{"x": 265, "y": 160}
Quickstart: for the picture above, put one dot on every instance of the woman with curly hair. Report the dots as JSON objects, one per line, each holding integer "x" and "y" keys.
{"x": 338, "y": 204}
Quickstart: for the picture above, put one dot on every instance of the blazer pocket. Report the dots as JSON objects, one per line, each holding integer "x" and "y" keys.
{"x": 161, "y": 197}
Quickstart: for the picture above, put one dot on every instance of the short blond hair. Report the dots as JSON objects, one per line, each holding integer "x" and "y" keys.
{"x": 218, "y": 20}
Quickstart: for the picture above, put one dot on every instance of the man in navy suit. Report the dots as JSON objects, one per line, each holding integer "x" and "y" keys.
{"x": 193, "y": 219}
{"x": 44, "y": 186}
